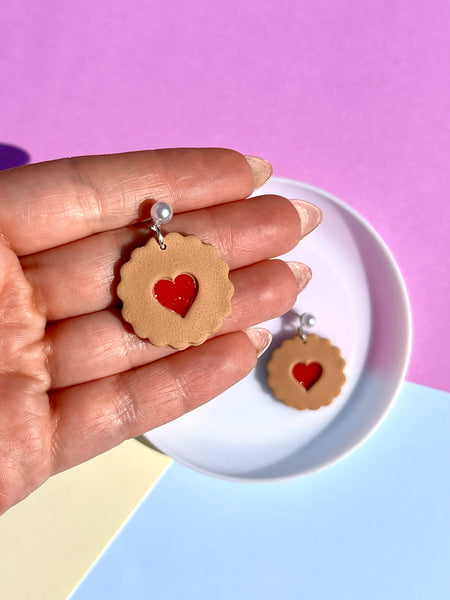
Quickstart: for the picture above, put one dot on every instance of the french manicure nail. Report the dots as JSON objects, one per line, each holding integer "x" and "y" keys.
{"x": 261, "y": 169}
{"x": 302, "y": 274}
{"x": 310, "y": 215}
{"x": 260, "y": 338}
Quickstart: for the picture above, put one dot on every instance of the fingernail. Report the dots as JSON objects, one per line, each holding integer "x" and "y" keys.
{"x": 261, "y": 169}
{"x": 260, "y": 338}
{"x": 302, "y": 274}
{"x": 310, "y": 215}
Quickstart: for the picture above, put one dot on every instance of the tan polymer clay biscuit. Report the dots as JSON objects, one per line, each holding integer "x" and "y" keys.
{"x": 287, "y": 389}
{"x": 149, "y": 264}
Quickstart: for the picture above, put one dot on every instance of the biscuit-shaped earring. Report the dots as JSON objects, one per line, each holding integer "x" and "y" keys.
{"x": 175, "y": 290}
{"x": 306, "y": 372}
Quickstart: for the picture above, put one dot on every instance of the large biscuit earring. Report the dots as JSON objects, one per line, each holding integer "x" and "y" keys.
{"x": 175, "y": 290}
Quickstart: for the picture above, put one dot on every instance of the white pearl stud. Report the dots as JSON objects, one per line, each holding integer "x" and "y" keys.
{"x": 305, "y": 320}
{"x": 161, "y": 213}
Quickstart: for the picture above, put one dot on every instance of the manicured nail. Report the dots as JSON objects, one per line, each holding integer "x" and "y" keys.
{"x": 260, "y": 338}
{"x": 310, "y": 214}
{"x": 261, "y": 169}
{"x": 302, "y": 274}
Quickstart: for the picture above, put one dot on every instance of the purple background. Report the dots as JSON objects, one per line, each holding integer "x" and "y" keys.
{"x": 351, "y": 96}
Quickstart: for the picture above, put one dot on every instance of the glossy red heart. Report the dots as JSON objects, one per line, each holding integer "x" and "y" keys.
{"x": 307, "y": 375}
{"x": 177, "y": 295}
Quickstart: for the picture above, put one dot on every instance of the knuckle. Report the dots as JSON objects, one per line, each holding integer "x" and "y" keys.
{"x": 174, "y": 394}
{"x": 224, "y": 238}
{"x": 125, "y": 408}
{"x": 87, "y": 195}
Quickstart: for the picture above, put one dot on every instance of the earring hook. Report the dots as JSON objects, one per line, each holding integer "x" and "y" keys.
{"x": 161, "y": 213}
{"x": 305, "y": 320}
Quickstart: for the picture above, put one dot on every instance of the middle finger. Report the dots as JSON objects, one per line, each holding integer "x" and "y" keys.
{"x": 78, "y": 278}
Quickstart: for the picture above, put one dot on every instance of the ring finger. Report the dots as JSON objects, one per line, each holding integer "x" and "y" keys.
{"x": 97, "y": 345}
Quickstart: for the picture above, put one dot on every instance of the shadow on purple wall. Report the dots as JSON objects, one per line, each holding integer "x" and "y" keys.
{"x": 11, "y": 156}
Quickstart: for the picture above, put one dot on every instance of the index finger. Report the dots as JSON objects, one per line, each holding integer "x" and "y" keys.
{"x": 49, "y": 204}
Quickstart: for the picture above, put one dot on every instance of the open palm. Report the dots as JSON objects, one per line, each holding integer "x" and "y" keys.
{"x": 74, "y": 380}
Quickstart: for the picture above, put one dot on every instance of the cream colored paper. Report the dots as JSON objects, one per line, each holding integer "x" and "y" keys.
{"x": 49, "y": 541}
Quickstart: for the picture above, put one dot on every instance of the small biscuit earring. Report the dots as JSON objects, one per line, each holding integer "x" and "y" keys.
{"x": 306, "y": 372}
{"x": 175, "y": 290}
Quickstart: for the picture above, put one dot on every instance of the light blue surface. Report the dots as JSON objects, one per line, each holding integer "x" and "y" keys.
{"x": 376, "y": 525}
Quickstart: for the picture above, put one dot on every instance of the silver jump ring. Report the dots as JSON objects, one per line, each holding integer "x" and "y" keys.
{"x": 159, "y": 236}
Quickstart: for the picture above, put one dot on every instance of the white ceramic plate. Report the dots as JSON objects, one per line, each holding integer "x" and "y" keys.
{"x": 360, "y": 303}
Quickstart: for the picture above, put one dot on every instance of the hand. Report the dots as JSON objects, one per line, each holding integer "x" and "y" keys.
{"x": 74, "y": 381}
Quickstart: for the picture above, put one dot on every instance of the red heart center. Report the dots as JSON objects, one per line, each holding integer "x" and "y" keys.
{"x": 307, "y": 375}
{"x": 177, "y": 295}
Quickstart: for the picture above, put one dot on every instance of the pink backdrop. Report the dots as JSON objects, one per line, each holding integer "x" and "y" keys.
{"x": 351, "y": 96}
